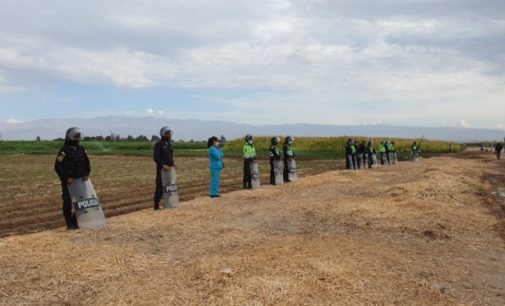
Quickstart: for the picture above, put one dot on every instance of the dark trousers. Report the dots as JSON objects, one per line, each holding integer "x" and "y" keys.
{"x": 272, "y": 172}
{"x": 158, "y": 192}
{"x": 70, "y": 218}
{"x": 498, "y": 154}
{"x": 285, "y": 173}
{"x": 247, "y": 174}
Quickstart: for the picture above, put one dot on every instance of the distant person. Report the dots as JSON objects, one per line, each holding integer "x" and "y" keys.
{"x": 249, "y": 157}
{"x": 163, "y": 156}
{"x": 395, "y": 154}
{"x": 382, "y": 152}
{"x": 362, "y": 153}
{"x": 215, "y": 165}
{"x": 386, "y": 145}
{"x": 498, "y": 148}
{"x": 414, "y": 151}
{"x": 275, "y": 155}
{"x": 289, "y": 154}
{"x": 71, "y": 163}
{"x": 372, "y": 157}
{"x": 350, "y": 155}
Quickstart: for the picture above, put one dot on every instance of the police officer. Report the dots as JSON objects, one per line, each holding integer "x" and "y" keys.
{"x": 390, "y": 148}
{"x": 383, "y": 154}
{"x": 249, "y": 157}
{"x": 372, "y": 158}
{"x": 275, "y": 155}
{"x": 163, "y": 156}
{"x": 498, "y": 148}
{"x": 395, "y": 154}
{"x": 350, "y": 155}
{"x": 289, "y": 154}
{"x": 414, "y": 151}
{"x": 362, "y": 153}
{"x": 71, "y": 163}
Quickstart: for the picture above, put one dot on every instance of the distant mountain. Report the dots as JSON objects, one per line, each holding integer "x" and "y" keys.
{"x": 200, "y": 129}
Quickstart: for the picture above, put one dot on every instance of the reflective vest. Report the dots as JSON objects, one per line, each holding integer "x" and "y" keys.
{"x": 353, "y": 149}
{"x": 249, "y": 151}
{"x": 414, "y": 147}
{"x": 391, "y": 147}
{"x": 382, "y": 148}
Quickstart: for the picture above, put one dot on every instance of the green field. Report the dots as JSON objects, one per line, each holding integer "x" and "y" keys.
{"x": 305, "y": 147}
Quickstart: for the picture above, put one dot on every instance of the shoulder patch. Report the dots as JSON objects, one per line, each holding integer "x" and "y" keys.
{"x": 60, "y": 157}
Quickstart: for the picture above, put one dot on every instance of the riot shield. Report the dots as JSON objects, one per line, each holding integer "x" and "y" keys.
{"x": 292, "y": 174}
{"x": 169, "y": 183}
{"x": 279, "y": 180}
{"x": 255, "y": 175}
{"x": 86, "y": 205}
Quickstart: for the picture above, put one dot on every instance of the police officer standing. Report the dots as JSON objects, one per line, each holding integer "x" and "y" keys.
{"x": 350, "y": 155}
{"x": 275, "y": 155}
{"x": 498, "y": 148}
{"x": 362, "y": 155}
{"x": 383, "y": 154}
{"x": 249, "y": 157}
{"x": 71, "y": 163}
{"x": 289, "y": 154}
{"x": 163, "y": 155}
{"x": 371, "y": 154}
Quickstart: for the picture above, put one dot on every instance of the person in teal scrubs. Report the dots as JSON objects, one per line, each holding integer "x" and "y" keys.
{"x": 215, "y": 165}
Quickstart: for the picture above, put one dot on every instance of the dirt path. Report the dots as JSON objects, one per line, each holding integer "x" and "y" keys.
{"x": 427, "y": 233}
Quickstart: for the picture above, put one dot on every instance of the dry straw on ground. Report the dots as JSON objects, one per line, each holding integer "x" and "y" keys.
{"x": 424, "y": 233}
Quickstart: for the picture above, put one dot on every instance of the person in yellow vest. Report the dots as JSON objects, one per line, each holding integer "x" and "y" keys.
{"x": 249, "y": 157}
{"x": 350, "y": 155}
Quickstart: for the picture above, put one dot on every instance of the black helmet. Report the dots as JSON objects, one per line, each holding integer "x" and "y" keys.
{"x": 289, "y": 139}
{"x": 73, "y": 132}
{"x": 249, "y": 137}
{"x": 275, "y": 140}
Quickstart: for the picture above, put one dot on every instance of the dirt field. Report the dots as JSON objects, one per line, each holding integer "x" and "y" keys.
{"x": 30, "y": 199}
{"x": 426, "y": 233}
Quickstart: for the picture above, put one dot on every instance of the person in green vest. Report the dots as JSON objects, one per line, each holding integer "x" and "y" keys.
{"x": 350, "y": 155}
{"x": 372, "y": 157}
{"x": 289, "y": 154}
{"x": 275, "y": 155}
{"x": 414, "y": 151}
{"x": 249, "y": 157}
{"x": 390, "y": 149}
{"x": 382, "y": 152}
{"x": 395, "y": 154}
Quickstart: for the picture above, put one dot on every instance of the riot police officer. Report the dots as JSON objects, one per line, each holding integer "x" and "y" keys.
{"x": 163, "y": 156}
{"x": 249, "y": 157}
{"x": 275, "y": 155}
{"x": 289, "y": 153}
{"x": 71, "y": 163}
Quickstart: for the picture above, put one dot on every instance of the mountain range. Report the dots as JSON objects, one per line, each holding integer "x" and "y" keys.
{"x": 187, "y": 129}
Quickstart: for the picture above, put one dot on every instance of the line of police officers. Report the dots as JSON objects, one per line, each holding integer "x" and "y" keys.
{"x": 72, "y": 162}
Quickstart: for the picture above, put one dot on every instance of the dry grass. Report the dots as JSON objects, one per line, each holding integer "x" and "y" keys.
{"x": 423, "y": 233}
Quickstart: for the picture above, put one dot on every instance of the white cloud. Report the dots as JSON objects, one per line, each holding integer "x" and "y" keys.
{"x": 396, "y": 61}
{"x": 13, "y": 121}
{"x": 500, "y": 126}
{"x": 464, "y": 124}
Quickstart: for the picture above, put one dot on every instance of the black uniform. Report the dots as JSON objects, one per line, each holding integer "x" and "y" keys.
{"x": 72, "y": 162}
{"x": 362, "y": 153}
{"x": 274, "y": 155}
{"x": 163, "y": 154}
{"x": 288, "y": 154}
{"x": 498, "y": 148}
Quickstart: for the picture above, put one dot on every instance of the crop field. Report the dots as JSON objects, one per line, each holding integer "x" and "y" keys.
{"x": 418, "y": 233}
{"x": 30, "y": 199}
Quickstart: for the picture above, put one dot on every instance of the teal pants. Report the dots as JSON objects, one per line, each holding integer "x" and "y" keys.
{"x": 215, "y": 177}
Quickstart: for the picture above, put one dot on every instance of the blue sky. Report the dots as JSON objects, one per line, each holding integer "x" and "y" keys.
{"x": 415, "y": 62}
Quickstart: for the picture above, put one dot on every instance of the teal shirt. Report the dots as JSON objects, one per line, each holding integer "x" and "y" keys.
{"x": 215, "y": 158}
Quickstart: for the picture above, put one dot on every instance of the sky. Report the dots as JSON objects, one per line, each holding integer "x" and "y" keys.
{"x": 409, "y": 62}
